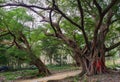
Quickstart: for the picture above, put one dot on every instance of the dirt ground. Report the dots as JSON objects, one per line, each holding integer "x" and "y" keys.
{"x": 102, "y": 78}
{"x": 72, "y": 76}
{"x": 57, "y": 76}
{"x": 60, "y": 77}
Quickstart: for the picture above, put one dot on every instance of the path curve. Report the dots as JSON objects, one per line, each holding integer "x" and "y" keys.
{"x": 58, "y": 76}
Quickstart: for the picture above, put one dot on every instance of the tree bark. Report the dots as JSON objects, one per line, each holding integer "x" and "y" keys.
{"x": 41, "y": 67}
{"x": 94, "y": 61}
{"x": 39, "y": 64}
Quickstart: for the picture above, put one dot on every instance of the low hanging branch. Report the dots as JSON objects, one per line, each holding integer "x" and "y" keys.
{"x": 31, "y": 7}
{"x": 113, "y": 46}
{"x": 25, "y": 5}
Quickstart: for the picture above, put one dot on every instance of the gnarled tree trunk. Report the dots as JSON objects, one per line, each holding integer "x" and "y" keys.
{"x": 39, "y": 64}
{"x": 95, "y": 62}
{"x": 41, "y": 67}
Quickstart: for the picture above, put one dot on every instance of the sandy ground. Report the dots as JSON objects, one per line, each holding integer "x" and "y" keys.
{"x": 57, "y": 76}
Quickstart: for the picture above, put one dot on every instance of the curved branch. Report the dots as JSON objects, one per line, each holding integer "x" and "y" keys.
{"x": 113, "y": 46}
{"x": 72, "y": 22}
{"x": 25, "y": 5}
{"x": 64, "y": 15}
{"x": 98, "y": 7}
{"x": 51, "y": 23}
{"x": 4, "y": 34}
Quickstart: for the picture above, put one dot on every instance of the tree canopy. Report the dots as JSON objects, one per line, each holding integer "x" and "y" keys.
{"x": 90, "y": 28}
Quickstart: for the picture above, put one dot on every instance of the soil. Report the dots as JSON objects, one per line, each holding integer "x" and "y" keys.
{"x": 60, "y": 77}
{"x": 109, "y": 77}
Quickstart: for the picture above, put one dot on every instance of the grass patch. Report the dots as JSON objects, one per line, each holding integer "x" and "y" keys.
{"x": 28, "y": 72}
{"x": 17, "y": 74}
{"x": 61, "y": 67}
{"x": 113, "y": 63}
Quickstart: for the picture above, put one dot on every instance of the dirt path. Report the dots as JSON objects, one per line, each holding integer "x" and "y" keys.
{"x": 57, "y": 76}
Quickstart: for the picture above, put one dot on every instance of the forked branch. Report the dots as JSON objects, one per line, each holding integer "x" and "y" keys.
{"x": 65, "y": 16}
{"x": 113, "y": 2}
{"x": 104, "y": 12}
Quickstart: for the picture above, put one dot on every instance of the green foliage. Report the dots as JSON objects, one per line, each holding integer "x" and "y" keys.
{"x": 32, "y": 73}
{"x": 33, "y": 1}
{"x": 17, "y": 74}
{"x": 3, "y": 56}
{"x": 14, "y": 19}
{"x": 2, "y": 1}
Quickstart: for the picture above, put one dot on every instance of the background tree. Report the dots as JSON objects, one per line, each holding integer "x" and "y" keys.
{"x": 13, "y": 23}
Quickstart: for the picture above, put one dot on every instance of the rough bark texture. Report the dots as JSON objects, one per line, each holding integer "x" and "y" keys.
{"x": 95, "y": 64}
{"x": 92, "y": 57}
{"x": 33, "y": 58}
{"x": 41, "y": 67}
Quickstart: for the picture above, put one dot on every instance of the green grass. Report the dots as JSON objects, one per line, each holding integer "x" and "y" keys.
{"x": 62, "y": 67}
{"x": 113, "y": 63}
{"x": 23, "y": 73}
{"x": 16, "y": 74}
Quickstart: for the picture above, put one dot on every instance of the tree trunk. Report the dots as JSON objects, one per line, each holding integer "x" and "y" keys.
{"x": 39, "y": 64}
{"x": 95, "y": 62}
{"x": 41, "y": 67}
{"x": 77, "y": 59}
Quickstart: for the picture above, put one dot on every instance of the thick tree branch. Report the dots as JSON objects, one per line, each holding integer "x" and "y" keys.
{"x": 59, "y": 19}
{"x": 109, "y": 17}
{"x": 36, "y": 12}
{"x": 96, "y": 29}
{"x": 64, "y": 15}
{"x": 115, "y": 20}
{"x": 98, "y": 7}
{"x": 81, "y": 13}
{"x": 113, "y": 2}
{"x": 25, "y": 41}
{"x": 101, "y": 18}
{"x": 113, "y": 46}
{"x": 25, "y": 5}
{"x": 14, "y": 38}
{"x": 51, "y": 23}
{"x": 72, "y": 22}
{"x": 4, "y": 34}
{"x": 82, "y": 23}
